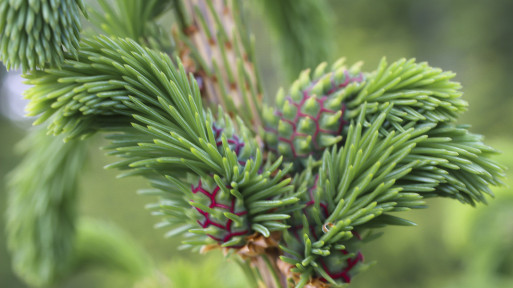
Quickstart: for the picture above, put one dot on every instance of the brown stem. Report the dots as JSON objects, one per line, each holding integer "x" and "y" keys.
{"x": 264, "y": 256}
{"x": 267, "y": 266}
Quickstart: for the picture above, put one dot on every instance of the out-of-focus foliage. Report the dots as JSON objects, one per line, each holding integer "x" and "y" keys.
{"x": 7, "y": 161}
{"x": 108, "y": 246}
{"x": 206, "y": 274}
{"x": 300, "y": 28}
{"x": 471, "y": 37}
{"x": 484, "y": 237}
{"x": 41, "y": 212}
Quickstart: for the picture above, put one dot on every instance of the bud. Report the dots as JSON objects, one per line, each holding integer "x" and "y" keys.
{"x": 310, "y": 117}
{"x": 221, "y": 215}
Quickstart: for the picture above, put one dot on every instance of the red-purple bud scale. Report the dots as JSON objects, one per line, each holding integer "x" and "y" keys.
{"x": 226, "y": 228}
{"x": 222, "y": 216}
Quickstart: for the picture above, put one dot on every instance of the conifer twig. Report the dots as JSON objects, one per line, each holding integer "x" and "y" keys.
{"x": 215, "y": 47}
{"x": 345, "y": 150}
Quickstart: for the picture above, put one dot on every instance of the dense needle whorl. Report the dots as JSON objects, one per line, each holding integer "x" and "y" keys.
{"x": 217, "y": 198}
{"x": 36, "y": 27}
{"x": 223, "y": 210}
{"x": 338, "y": 262}
{"x": 219, "y": 227}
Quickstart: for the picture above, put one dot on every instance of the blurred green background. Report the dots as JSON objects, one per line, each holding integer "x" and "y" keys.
{"x": 453, "y": 245}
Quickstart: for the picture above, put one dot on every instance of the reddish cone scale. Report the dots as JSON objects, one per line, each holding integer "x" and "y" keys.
{"x": 227, "y": 228}
{"x": 209, "y": 194}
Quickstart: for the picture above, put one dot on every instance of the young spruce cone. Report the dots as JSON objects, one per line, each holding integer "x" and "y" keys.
{"x": 311, "y": 116}
{"x": 220, "y": 213}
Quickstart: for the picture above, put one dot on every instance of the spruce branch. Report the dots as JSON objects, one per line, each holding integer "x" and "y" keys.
{"x": 106, "y": 245}
{"x": 41, "y": 207}
{"x": 92, "y": 92}
{"x": 313, "y": 115}
{"x": 464, "y": 168}
{"x": 173, "y": 135}
{"x": 419, "y": 93}
{"x": 358, "y": 185}
{"x": 210, "y": 207}
{"x": 36, "y": 33}
{"x": 116, "y": 79}
{"x": 344, "y": 150}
